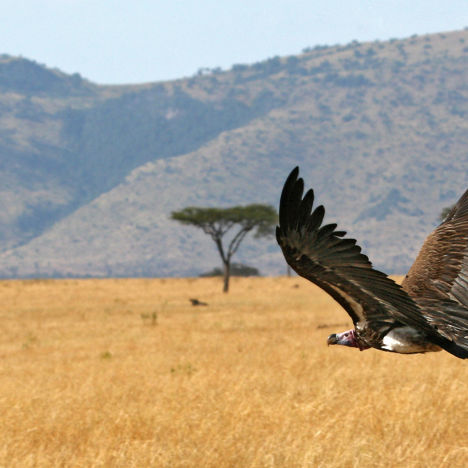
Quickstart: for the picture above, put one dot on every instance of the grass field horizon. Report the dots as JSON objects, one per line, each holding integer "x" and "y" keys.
{"x": 127, "y": 373}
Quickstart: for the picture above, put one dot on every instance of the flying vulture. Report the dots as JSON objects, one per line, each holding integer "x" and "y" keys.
{"x": 428, "y": 312}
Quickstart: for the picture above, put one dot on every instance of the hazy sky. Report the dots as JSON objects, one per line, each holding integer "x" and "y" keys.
{"x": 133, "y": 41}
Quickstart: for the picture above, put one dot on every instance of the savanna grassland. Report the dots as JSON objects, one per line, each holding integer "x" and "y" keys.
{"x": 127, "y": 373}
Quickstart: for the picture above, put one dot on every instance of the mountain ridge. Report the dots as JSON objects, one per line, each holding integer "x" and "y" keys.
{"x": 90, "y": 179}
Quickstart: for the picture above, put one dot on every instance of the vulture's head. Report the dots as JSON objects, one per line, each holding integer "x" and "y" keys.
{"x": 347, "y": 338}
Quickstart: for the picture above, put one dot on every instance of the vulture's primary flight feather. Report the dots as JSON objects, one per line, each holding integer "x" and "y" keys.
{"x": 428, "y": 312}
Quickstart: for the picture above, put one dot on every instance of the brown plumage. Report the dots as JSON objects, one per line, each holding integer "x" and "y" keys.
{"x": 428, "y": 312}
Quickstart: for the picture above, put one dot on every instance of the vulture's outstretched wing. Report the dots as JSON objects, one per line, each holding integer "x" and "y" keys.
{"x": 438, "y": 279}
{"x": 335, "y": 263}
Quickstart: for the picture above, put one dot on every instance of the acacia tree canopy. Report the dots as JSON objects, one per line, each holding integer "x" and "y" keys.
{"x": 216, "y": 222}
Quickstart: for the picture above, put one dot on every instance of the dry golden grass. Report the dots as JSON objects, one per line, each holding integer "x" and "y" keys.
{"x": 88, "y": 379}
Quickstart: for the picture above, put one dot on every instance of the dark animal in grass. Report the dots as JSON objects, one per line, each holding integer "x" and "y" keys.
{"x": 428, "y": 312}
{"x": 196, "y": 302}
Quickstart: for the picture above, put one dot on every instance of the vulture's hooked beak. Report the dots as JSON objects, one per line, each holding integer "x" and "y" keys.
{"x": 332, "y": 339}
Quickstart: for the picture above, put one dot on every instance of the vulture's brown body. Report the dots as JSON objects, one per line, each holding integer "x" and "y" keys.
{"x": 428, "y": 312}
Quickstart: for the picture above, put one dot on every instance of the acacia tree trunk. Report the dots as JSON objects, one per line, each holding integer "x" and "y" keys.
{"x": 227, "y": 274}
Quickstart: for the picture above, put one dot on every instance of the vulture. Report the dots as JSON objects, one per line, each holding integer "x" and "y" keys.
{"x": 428, "y": 312}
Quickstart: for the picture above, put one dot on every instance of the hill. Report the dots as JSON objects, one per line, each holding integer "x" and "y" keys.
{"x": 90, "y": 172}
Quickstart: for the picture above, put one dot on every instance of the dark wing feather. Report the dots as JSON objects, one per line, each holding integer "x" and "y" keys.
{"x": 336, "y": 264}
{"x": 438, "y": 279}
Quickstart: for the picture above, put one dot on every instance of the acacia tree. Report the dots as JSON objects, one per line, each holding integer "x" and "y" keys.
{"x": 217, "y": 222}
